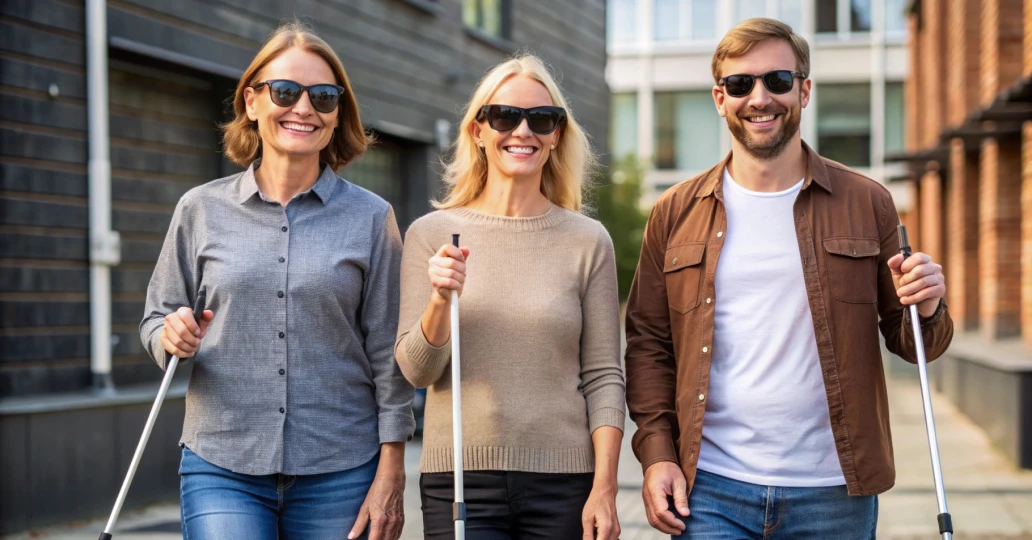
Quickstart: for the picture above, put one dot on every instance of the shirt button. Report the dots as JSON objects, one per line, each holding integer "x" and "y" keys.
{"x": 281, "y": 334}
{"x": 705, "y": 349}
{"x": 280, "y": 294}
{"x": 675, "y": 260}
{"x": 282, "y": 371}
{"x": 284, "y": 229}
{"x": 281, "y": 259}
{"x": 720, "y": 233}
{"x": 708, "y": 300}
{"x": 702, "y": 397}
{"x": 282, "y": 410}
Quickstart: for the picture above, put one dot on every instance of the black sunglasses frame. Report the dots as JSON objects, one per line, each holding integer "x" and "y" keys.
{"x": 763, "y": 77}
{"x": 524, "y": 113}
{"x": 270, "y": 82}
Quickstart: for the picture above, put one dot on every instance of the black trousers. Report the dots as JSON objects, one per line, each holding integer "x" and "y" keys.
{"x": 506, "y": 505}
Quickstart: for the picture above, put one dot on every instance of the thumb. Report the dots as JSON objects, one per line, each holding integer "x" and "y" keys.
{"x": 896, "y": 264}
{"x": 465, "y": 252}
{"x": 206, "y": 318}
{"x": 360, "y": 523}
{"x": 681, "y": 496}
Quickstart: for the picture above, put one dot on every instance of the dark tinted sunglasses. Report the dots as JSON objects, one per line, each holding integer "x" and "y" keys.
{"x": 777, "y": 82}
{"x": 540, "y": 120}
{"x": 324, "y": 97}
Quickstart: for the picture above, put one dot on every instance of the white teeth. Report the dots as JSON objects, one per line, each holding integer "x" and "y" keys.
{"x": 298, "y": 127}
{"x": 767, "y": 118}
{"x": 520, "y": 149}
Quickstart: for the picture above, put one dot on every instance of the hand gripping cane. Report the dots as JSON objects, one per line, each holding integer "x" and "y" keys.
{"x": 459, "y": 508}
{"x": 945, "y": 521}
{"x": 198, "y": 312}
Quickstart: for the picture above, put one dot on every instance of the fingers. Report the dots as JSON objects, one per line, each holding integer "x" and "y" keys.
{"x": 588, "y": 526}
{"x": 895, "y": 262}
{"x": 681, "y": 496}
{"x": 376, "y": 527}
{"x": 921, "y": 284}
{"x": 913, "y": 261}
{"x": 177, "y": 337}
{"x": 172, "y": 349}
{"x": 452, "y": 252}
{"x": 660, "y": 517}
{"x": 186, "y": 316}
{"x": 360, "y": 523}
{"x": 205, "y": 321}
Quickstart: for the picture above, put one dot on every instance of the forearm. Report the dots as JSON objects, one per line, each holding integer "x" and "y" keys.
{"x": 606, "y": 441}
{"x": 392, "y": 458}
{"x": 436, "y": 320}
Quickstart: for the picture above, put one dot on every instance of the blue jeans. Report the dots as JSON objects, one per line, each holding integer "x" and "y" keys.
{"x": 220, "y": 504}
{"x": 726, "y": 509}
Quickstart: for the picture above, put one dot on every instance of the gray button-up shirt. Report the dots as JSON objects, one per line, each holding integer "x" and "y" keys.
{"x": 296, "y": 374}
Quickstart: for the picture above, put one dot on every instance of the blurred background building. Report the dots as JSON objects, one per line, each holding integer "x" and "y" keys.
{"x": 171, "y": 67}
{"x": 969, "y": 169}
{"x": 659, "y": 72}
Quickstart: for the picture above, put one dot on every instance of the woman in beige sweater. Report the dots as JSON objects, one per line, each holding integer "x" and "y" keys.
{"x": 542, "y": 394}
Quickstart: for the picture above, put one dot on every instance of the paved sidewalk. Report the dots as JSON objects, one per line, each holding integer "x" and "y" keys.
{"x": 988, "y": 498}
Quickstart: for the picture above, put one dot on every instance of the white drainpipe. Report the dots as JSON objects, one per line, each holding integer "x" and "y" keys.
{"x": 104, "y": 243}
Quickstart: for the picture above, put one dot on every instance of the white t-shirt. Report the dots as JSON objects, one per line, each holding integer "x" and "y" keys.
{"x": 767, "y": 419}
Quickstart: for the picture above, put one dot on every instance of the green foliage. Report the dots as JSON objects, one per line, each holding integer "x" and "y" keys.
{"x": 616, "y": 203}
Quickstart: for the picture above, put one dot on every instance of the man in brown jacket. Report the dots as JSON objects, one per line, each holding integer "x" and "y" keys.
{"x": 754, "y": 369}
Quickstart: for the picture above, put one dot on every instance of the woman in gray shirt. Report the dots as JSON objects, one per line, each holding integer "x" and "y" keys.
{"x": 296, "y": 414}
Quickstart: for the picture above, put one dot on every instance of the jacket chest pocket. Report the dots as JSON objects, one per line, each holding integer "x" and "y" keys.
{"x": 853, "y": 269}
{"x": 682, "y": 271}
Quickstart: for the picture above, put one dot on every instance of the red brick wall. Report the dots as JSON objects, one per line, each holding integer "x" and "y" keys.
{"x": 931, "y": 216}
{"x": 1000, "y": 238}
{"x": 1026, "y": 233}
{"x": 932, "y": 68}
{"x": 961, "y": 266}
{"x": 962, "y": 53}
{"x": 1002, "y": 46}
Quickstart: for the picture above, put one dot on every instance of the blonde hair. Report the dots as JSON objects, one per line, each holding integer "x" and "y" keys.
{"x": 240, "y": 136}
{"x": 746, "y": 34}
{"x": 565, "y": 173}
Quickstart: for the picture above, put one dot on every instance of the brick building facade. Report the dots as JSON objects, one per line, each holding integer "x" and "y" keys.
{"x": 969, "y": 151}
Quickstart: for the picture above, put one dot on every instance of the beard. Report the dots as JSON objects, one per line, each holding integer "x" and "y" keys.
{"x": 768, "y": 146}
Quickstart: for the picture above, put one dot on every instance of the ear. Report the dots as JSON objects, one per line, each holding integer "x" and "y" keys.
{"x": 718, "y": 101}
{"x": 249, "y": 96}
{"x": 804, "y": 93}
{"x": 556, "y": 135}
{"x": 474, "y": 130}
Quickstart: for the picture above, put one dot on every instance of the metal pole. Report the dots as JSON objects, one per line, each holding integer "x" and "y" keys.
{"x": 459, "y": 508}
{"x": 944, "y": 519}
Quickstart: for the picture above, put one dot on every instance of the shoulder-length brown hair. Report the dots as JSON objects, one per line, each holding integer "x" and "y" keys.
{"x": 240, "y": 136}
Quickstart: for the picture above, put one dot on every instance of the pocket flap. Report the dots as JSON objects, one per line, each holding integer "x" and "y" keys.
{"x": 678, "y": 257}
{"x": 852, "y": 247}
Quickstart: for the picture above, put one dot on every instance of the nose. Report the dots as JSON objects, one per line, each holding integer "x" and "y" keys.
{"x": 759, "y": 98}
{"x": 523, "y": 129}
{"x": 303, "y": 107}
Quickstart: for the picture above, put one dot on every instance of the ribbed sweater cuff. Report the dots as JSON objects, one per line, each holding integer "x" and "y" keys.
{"x": 421, "y": 354}
{"x": 606, "y": 417}
{"x": 503, "y": 458}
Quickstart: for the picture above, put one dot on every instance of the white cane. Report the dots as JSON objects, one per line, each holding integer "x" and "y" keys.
{"x": 170, "y": 371}
{"x": 459, "y": 508}
{"x": 945, "y": 521}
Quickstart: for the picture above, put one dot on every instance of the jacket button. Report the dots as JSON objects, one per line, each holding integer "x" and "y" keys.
{"x": 720, "y": 233}
{"x": 702, "y": 397}
{"x": 675, "y": 260}
{"x": 705, "y": 349}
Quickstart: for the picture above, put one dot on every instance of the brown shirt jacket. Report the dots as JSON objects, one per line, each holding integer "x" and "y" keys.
{"x": 846, "y": 229}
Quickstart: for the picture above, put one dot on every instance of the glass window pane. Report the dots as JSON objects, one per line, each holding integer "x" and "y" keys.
{"x": 844, "y": 123}
{"x": 687, "y": 131}
{"x": 791, "y": 13}
{"x": 492, "y": 10}
{"x": 469, "y": 13}
{"x": 667, "y": 19}
{"x": 622, "y": 20}
{"x": 623, "y": 140}
{"x": 860, "y": 16}
{"x": 747, "y": 9}
{"x": 895, "y": 17}
{"x": 894, "y": 119}
{"x": 704, "y": 19}
{"x": 827, "y": 16}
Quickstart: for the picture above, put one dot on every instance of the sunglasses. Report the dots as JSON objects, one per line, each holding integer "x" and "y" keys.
{"x": 324, "y": 97}
{"x": 540, "y": 120}
{"x": 777, "y": 82}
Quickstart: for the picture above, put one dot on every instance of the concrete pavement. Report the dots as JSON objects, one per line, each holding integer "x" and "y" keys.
{"x": 988, "y": 498}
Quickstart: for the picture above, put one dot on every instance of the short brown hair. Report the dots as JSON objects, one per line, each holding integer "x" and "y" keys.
{"x": 240, "y": 136}
{"x": 746, "y": 34}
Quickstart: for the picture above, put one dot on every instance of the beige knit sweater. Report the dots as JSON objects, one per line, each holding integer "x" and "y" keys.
{"x": 540, "y": 337}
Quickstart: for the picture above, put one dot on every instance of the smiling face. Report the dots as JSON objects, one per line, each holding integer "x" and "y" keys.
{"x": 763, "y": 123}
{"x": 298, "y": 130}
{"x": 519, "y": 153}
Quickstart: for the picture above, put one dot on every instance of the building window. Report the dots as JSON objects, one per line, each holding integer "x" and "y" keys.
{"x": 623, "y": 136}
{"x": 687, "y": 131}
{"x": 747, "y": 9}
{"x": 790, "y": 12}
{"x": 685, "y": 20}
{"x": 895, "y": 17}
{"x": 844, "y": 123}
{"x": 622, "y": 19}
{"x": 894, "y": 118}
{"x": 487, "y": 16}
{"x": 843, "y": 16}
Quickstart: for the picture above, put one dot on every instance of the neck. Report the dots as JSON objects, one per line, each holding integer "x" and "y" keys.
{"x": 777, "y": 174}
{"x": 280, "y": 177}
{"x": 511, "y": 197}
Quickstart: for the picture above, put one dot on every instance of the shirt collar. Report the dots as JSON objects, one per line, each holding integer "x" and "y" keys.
{"x": 816, "y": 171}
{"x": 247, "y": 186}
